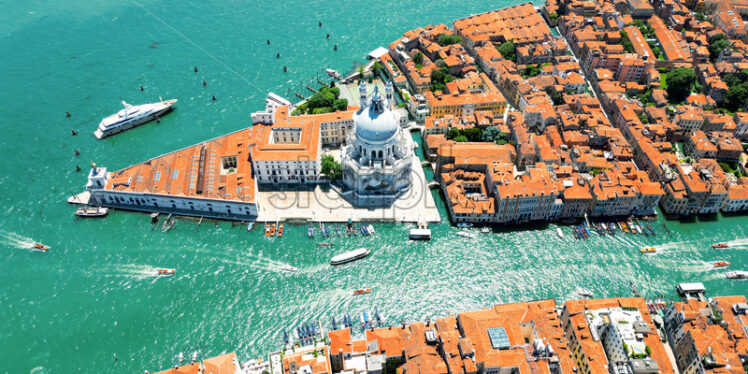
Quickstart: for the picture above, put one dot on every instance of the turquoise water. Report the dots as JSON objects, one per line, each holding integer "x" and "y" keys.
{"x": 91, "y": 298}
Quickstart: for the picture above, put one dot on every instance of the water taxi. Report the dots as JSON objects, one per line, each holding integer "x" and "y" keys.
{"x": 362, "y": 291}
{"x": 272, "y": 230}
{"x": 280, "y": 230}
{"x": 165, "y": 272}
{"x": 737, "y": 274}
{"x": 353, "y": 255}
{"x": 91, "y": 211}
{"x": 720, "y": 245}
{"x": 40, "y": 247}
{"x": 267, "y": 229}
{"x": 649, "y": 250}
{"x": 721, "y": 264}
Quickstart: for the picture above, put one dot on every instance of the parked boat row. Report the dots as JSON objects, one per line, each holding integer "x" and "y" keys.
{"x": 328, "y": 229}
{"x": 632, "y": 226}
{"x": 270, "y": 229}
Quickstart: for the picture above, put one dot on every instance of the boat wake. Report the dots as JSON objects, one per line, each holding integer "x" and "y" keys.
{"x": 17, "y": 241}
{"x": 259, "y": 263}
{"x": 138, "y": 271}
{"x": 738, "y": 243}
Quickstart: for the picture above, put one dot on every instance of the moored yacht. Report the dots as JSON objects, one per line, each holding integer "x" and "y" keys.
{"x": 132, "y": 116}
{"x": 92, "y": 211}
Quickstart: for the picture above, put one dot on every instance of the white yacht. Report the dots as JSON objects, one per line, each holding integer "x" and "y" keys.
{"x": 349, "y": 256}
{"x": 132, "y": 116}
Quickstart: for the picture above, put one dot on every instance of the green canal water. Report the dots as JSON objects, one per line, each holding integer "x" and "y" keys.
{"x": 90, "y": 304}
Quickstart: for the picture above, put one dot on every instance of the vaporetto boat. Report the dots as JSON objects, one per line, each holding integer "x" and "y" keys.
{"x": 349, "y": 256}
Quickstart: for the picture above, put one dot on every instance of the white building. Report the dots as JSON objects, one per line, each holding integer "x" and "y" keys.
{"x": 378, "y": 156}
{"x": 272, "y": 101}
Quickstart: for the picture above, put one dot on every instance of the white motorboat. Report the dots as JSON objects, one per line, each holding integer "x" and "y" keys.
{"x": 465, "y": 234}
{"x": 92, "y": 211}
{"x": 349, "y": 256}
{"x": 288, "y": 268}
{"x": 559, "y": 232}
{"x": 737, "y": 274}
{"x": 132, "y": 116}
{"x": 584, "y": 292}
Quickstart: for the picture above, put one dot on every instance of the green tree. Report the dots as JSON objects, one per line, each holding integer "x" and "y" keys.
{"x": 507, "y": 50}
{"x": 340, "y": 104}
{"x": 377, "y": 68}
{"x": 717, "y": 44}
{"x": 418, "y": 58}
{"x": 491, "y": 134}
{"x": 626, "y": 43}
{"x": 473, "y": 134}
{"x": 679, "y": 83}
{"x": 553, "y": 16}
{"x": 460, "y": 139}
{"x": 440, "y": 63}
{"x": 335, "y": 91}
{"x": 331, "y": 168}
{"x": 699, "y": 16}
{"x": 446, "y": 39}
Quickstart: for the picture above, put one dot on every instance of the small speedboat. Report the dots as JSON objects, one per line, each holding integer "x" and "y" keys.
{"x": 720, "y": 245}
{"x": 288, "y": 268}
{"x": 649, "y": 250}
{"x": 165, "y": 272}
{"x": 559, "y": 232}
{"x": 362, "y": 291}
{"x": 325, "y": 244}
{"x": 485, "y": 230}
{"x": 92, "y": 211}
{"x": 465, "y": 234}
{"x": 40, "y": 247}
{"x": 584, "y": 292}
{"x": 721, "y": 264}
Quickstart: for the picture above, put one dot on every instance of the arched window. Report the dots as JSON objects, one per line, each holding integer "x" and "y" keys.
{"x": 373, "y": 154}
{"x": 380, "y": 154}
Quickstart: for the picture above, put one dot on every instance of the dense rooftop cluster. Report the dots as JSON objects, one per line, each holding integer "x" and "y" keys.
{"x": 589, "y": 336}
{"x": 632, "y": 105}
